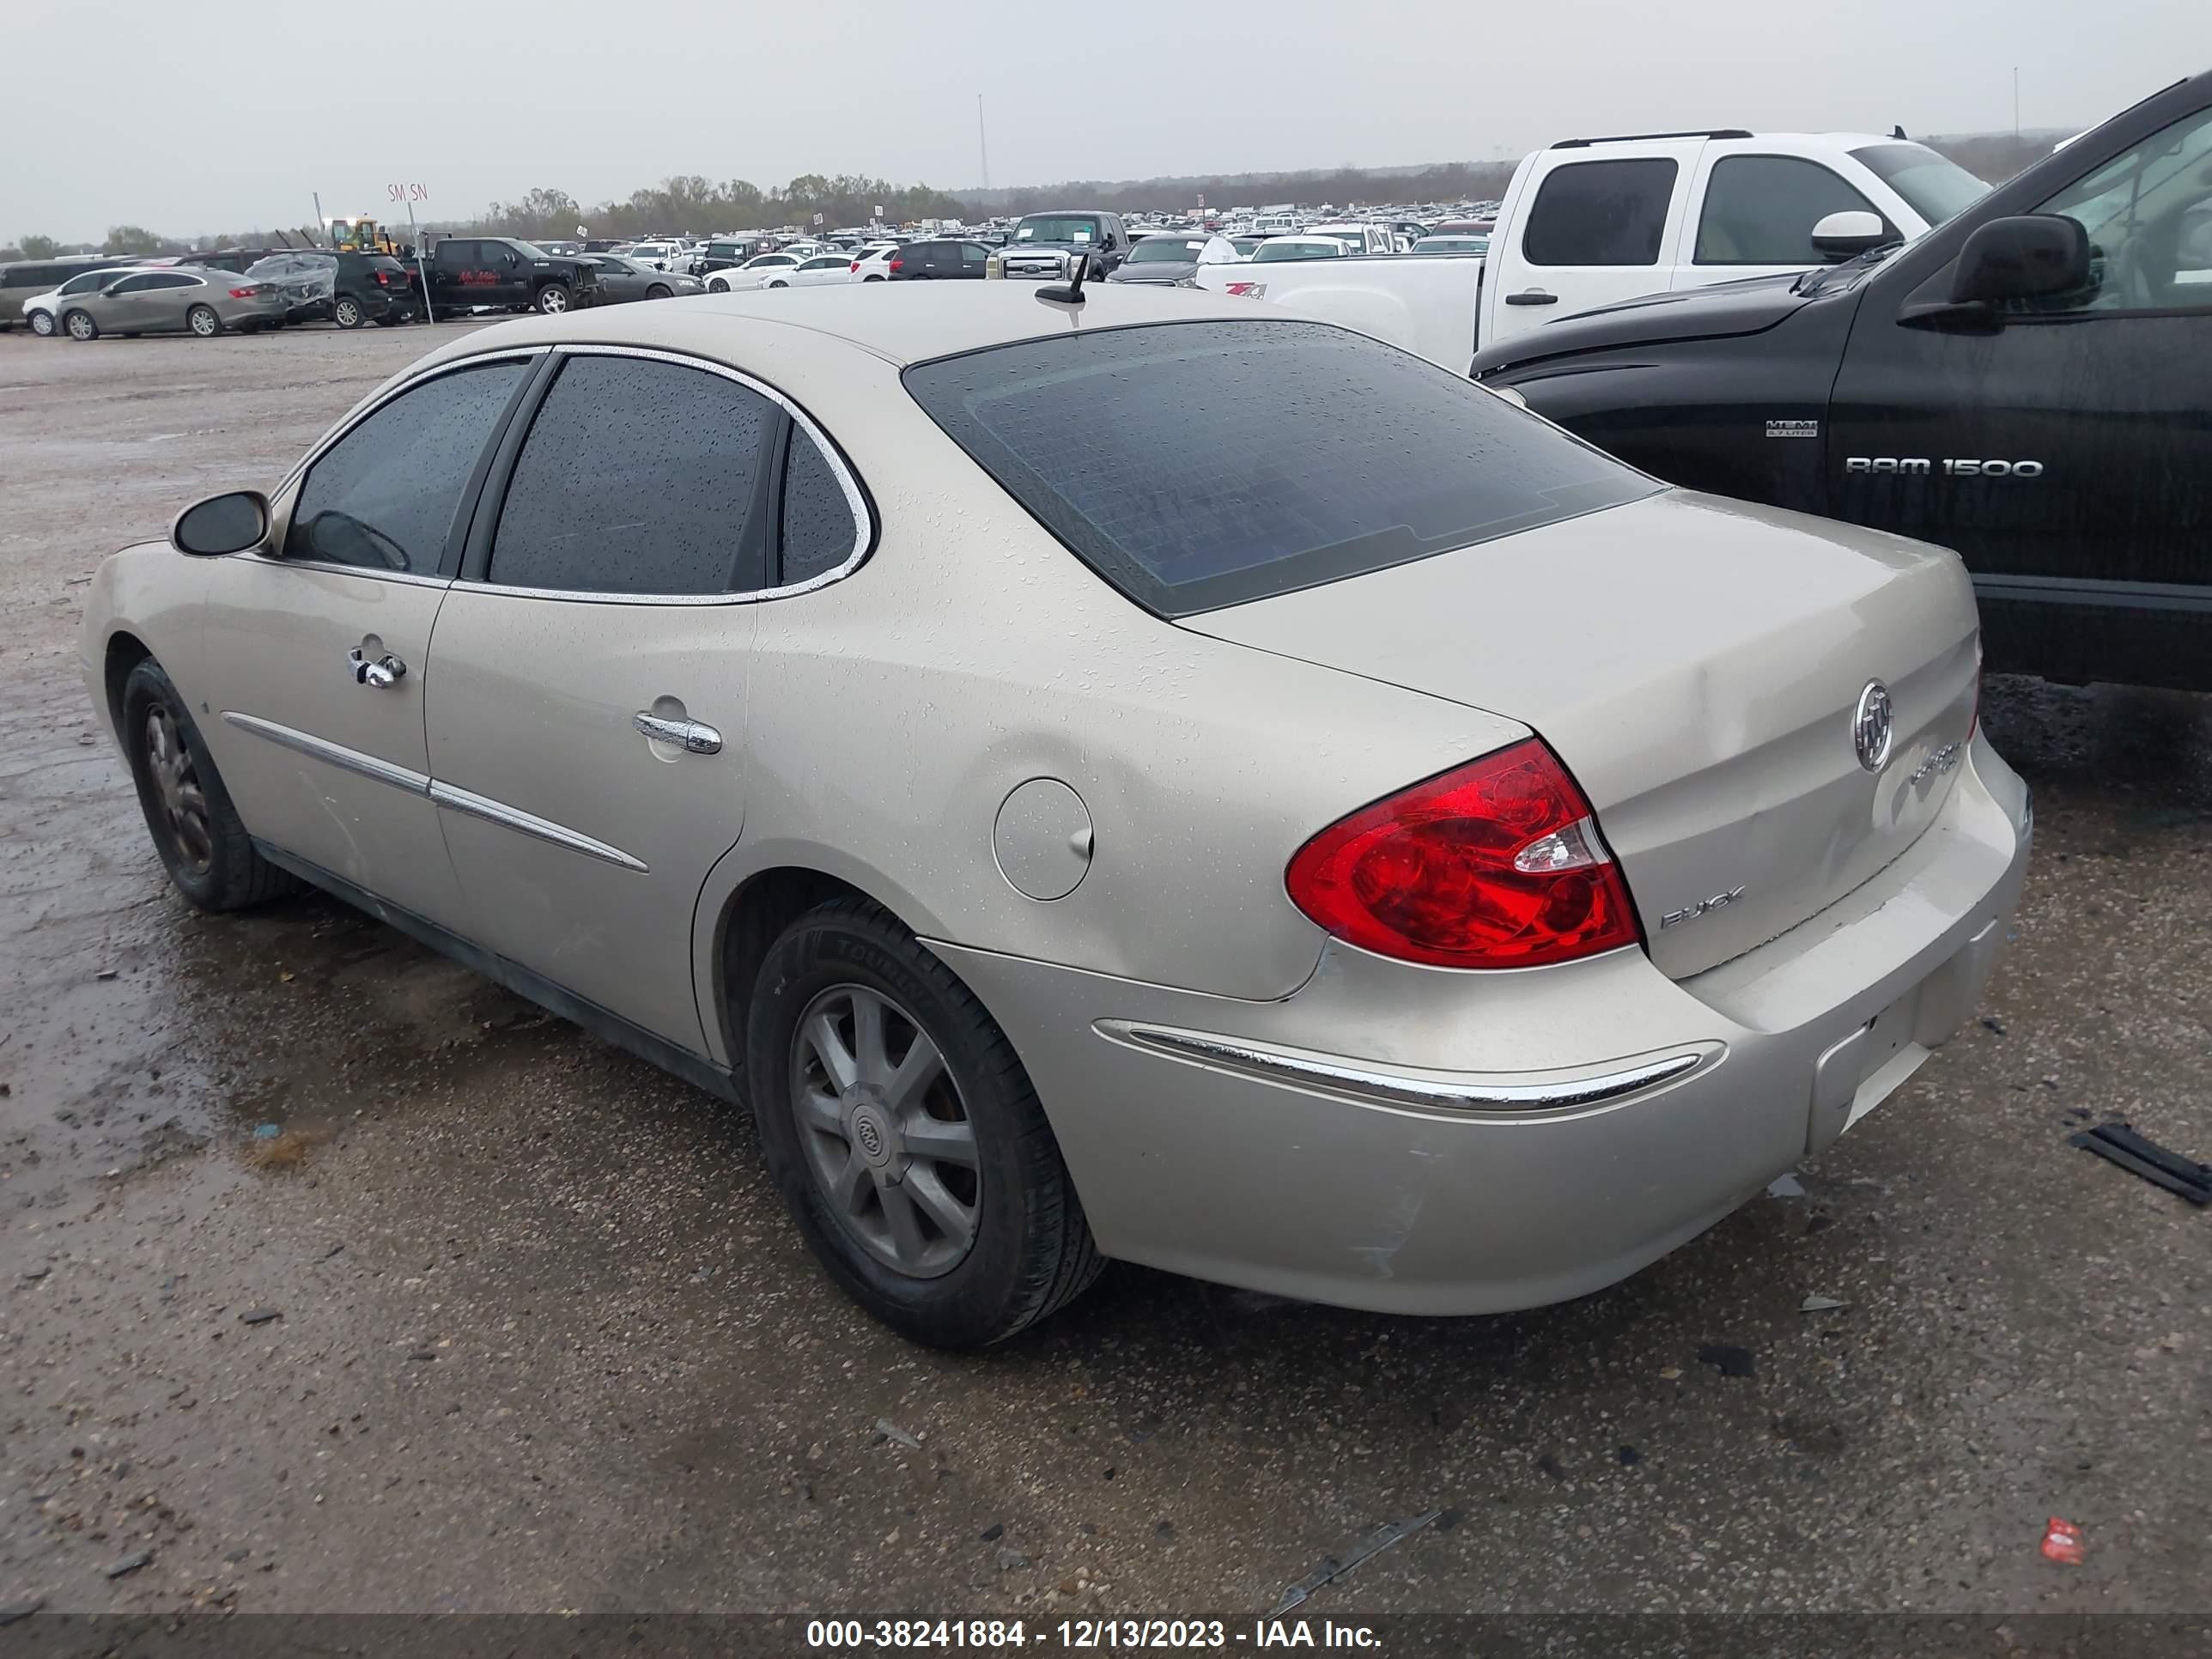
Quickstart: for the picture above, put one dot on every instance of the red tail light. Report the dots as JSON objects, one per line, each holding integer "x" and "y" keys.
{"x": 1495, "y": 864}
{"x": 899, "y": 262}
{"x": 383, "y": 279}
{"x": 244, "y": 293}
{"x": 856, "y": 267}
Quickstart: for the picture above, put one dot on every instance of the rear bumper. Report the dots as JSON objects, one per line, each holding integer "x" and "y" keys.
{"x": 1416, "y": 1140}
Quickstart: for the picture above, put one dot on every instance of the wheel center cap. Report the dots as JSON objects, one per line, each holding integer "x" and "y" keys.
{"x": 870, "y": 1127}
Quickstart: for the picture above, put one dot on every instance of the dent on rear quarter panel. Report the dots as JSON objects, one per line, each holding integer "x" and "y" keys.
{"x": 895, "y": 711}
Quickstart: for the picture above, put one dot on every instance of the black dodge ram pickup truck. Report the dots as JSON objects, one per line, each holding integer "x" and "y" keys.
{"x": 2030, "y": 384}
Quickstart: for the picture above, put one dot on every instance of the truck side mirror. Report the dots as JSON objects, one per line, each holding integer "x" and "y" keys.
{"x": 1847, "y": 235}
{"x": 2029, "y": 256}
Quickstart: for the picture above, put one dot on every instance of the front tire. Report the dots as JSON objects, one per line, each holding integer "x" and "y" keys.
{"x": 196, "y": 829}
{"x": 347, "y": 312}
{"x": 779, "y": 282}
{"x": 718, "y": 286}
{"x": 202, "y": 321}
{"x": 660, "y": 291}
{"x": 553, "y": 299}
{"x": 905, "y": 1138}
{"x": 80, "y": 326}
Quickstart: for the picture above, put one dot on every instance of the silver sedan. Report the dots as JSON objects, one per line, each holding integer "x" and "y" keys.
{"x": 176, "y": 300}
{"x": 1089, "y": 798}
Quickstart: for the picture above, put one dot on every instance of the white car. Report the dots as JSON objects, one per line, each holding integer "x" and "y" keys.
{"x": 833, "y": 266}
{"x": 42, "y": 311}
{"x": 761, "y": 270}
{"x": 660, "y": 256}
{"x": 872, "y": 263}
{"x": 1358, "y": 239}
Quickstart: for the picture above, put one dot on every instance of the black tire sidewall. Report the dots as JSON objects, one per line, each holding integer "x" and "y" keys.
{"x": 338, "y": 312}
{"x": 851, "y": 944}
{"x": 194, "y": 330}
{"x": 232, "y": 876}
{"x": 538, "y": 301}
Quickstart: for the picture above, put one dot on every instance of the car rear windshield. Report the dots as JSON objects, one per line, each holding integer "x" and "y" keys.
{"x": 1200, "y": 465}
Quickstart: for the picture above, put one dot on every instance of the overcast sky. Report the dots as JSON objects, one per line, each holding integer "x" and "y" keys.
{"x": 192, "y": 119}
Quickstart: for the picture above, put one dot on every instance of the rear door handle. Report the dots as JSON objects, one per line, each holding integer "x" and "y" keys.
{"x": 1532, "y": 297}
{"x": 692, "y": 736}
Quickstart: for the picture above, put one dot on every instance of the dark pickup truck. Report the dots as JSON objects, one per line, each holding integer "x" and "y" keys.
{"x": 506, "y": 272}
{"x": 2030, "y": 383}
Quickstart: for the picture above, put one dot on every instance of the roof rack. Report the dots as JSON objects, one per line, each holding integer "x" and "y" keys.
{"x": 1638, "y": 137}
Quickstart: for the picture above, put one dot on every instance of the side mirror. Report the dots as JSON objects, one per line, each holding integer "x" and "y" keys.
{"x": 222, "y": 523}
{"x": 2030, "y": 256}
{"x": 1847, "y": 235}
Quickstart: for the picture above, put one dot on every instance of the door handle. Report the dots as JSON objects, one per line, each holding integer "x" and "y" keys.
{"x": 1532, "y": 297}
{"x": 381, "y": 673}
{"x": 692, "y": 736}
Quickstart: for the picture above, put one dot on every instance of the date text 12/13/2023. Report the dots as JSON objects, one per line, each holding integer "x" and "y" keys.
{"x": 993, "y": 1635}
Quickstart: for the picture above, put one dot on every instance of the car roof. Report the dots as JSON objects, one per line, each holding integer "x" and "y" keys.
{"x": 907, "y": 323}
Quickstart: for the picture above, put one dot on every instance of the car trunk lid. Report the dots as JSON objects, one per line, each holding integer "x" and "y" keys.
{"x": 1699, "y": 666}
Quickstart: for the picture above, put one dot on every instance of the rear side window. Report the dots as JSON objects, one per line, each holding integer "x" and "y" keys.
{"x": 1601, "y": 212}
{"x": 820, "y": 529}
{"x": 638, "y": 476}
{"x": 383, "y": 496}
{"x": 1760, "y": 210}
{"x": 1158, "y": 457}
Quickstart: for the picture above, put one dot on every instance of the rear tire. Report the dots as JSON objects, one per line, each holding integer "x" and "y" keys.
{"x": 42, "y": 324}
{"x": 1028, "y": 1248}
{"x": 202, "y": 321}
{"x": 196, "y": 829}
{"x": 779, "y": 282}
{"x": 347, "y": 312}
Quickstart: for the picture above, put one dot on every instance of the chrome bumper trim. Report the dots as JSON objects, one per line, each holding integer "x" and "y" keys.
{"x": 1362, "y": 1083}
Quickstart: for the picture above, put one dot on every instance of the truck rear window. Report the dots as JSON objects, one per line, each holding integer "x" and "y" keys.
{"x": 1200, "y": 465}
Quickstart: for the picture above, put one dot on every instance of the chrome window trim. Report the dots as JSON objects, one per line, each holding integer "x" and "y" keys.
{"x": 1366, "y": 1084}
{"x": 335, "y": 753}
{"x": 529, "y": 823}
{"x": 863, "y": 520}
{"x": 407, "y": 577}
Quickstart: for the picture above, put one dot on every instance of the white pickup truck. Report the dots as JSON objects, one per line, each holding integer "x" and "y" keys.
{"x": 1590, "y": 222}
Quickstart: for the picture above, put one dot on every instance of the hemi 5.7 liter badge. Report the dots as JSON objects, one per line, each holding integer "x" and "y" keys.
{"x": 1793, "y": 428}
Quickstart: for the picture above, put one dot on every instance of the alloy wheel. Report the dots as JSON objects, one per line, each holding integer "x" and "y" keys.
{"x": 886, "y": 1135}
{"x": 42, "y": 324}
{"x": 552, "y": 301}
{"x": 80, "y": 327}
{"x": 348, "y": 313}
{"x": 177, "y": 786}
{"x": 204, "y": 321}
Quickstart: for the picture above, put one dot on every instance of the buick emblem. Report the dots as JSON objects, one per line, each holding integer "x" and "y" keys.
{"x": 1872, "y": 727}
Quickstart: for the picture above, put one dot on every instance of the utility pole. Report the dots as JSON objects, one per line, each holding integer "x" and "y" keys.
{"x": 982, "y": 146}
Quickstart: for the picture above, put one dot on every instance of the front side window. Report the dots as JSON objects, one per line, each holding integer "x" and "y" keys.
{"x": 134, "y": 285}
{"x": 2148, "y": 215}
{"x": 85, "y": 284}
{"x": 383, "y": 497}
{"x": 1601, "y": 212}
{"x": 1760, "y": 210}
{"x": 638, "y": 476}
{"x": 1144, "y": 451}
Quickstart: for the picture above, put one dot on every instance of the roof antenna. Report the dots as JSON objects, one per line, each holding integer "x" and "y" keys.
{"x": 1897, "y": 131}
{"x": 1072, "y": 293}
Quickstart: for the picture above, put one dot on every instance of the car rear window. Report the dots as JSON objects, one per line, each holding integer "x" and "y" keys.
{"x": 1196, "y": 465}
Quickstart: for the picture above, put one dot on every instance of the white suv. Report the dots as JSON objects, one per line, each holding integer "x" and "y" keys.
{"x": 1592, "y": 221}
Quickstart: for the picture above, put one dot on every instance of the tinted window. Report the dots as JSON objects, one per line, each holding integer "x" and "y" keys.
{"x": 134, "y": 285}
{"x": 384, "y": 496}
{"x": 173, "y": 280}
{"x": 454, "y": 255}
{"x": 1601, "y": 212}
{"x": 1146, "y": 452}
{"x": 637, "y": 477}
{"x": 974, "y": 254}
{"x": 819, "y": 531}
{"x": 1760, "y": 210}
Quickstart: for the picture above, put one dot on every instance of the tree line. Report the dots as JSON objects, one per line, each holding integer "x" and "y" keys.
{"x": 693, "y": 204}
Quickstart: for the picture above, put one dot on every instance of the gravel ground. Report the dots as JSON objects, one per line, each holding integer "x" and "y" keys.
{"x": 509, "y": 1321}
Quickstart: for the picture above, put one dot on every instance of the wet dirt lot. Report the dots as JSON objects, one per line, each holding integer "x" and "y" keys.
{"x": 540, "y": 1337}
